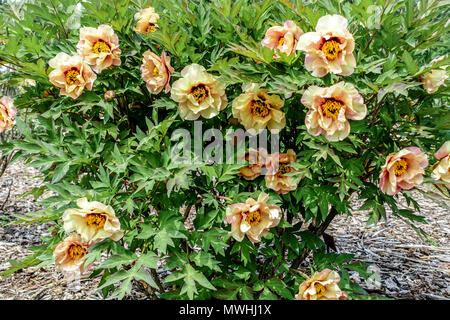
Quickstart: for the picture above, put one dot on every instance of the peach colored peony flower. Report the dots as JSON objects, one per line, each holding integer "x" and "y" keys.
{"x": 441, "y": 169}
{"x": 403, "y": 170}
{"x": 433, "y": 80}
{"x": 7, "y": 113}
{"x": 198, "y": 93}
{"x": 252, "y": 218}
{"x": 69, "y": 254}
{"x": 156, "y": 72}
{"x": 330, "y": 109}
{"x": 277, "y": 166}
{"x": 93, "y": 220}
{"x": 330, "y": 48}
{"x": 146, "y": 20}
{"x": 257, "y": 160}
{"x": 99, "y": 47}
{"x": 255, "y": 109}
{"x": 284, "y": 38}
{"x": 71, "y": 74}
{"x": 321, "y": 286}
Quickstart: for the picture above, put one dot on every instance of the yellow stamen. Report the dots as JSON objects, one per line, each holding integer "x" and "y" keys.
{"x": 284, "y": 169}
{"x": 200, "y": 93}
{"x": 1, "y": 117}
{"x": 253, "y": 218}
{"x": 331, "y": 107}
{"x": 400, "y": 166}
{"x": 96, "y": 220}
{"x": 72, "y": 77}
{"x": 320, "y": 290}
{"x": 155, "y": 71}
{"x": 331, "y": 49}
{"x": 281, "y": 41}
{"x": 150, "y": 27}
{"x": 76, "y": 251}
{"x": 259, "y": 108}
{"x": 101, "y": 46}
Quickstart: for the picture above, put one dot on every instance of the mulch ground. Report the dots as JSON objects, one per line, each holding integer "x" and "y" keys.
{"x": 408, "y": 266}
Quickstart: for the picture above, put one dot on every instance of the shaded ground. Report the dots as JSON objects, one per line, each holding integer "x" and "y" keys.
{"x": 409, "y": 268}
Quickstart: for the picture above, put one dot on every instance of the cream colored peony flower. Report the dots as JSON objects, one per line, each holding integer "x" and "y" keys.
{"x": 321, "y": 286}
{"x": 330, "y": 109}
{"x": 93, "y": 220}
{"x": 252, "y": 218}
{"x": 255, "y": 109}
{"x": 146, "y": 20}
{"x": 7, "y": 113}
{"x": 198, "y": 93}
{"x": 441, "y": 169}
{"x": 156, "y": 72}
{"x": 284, "y": 38}
{"x": 99, "y": 47}
{"x": 433, "y": 80}
{"x": 330, "y": 48}
{"x": 257, "y": 160}
{"x": 69, "y": 254}
{"x": 277, "y": 166}
{"x": 403, "y": 170}
{"x": 71, "y": 74}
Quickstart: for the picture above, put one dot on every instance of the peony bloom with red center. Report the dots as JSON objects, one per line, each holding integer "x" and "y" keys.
{"x": 321, "y": 286}
{"x": 284, "y": 38}
{"x": 7, "y": 113}
{"x": 252, "y": 218}
{"x": 277, "y": 166}
{"x": 92, "y": 220}
{"x": 146, "y": 20}
{"x": 156, "y": 72}
{"x": 198, "y": 93}
{"x": 99, "y": 47}
{"x": 441, "y": 169}
{"x": 71, "y": 74}
{"x": 257, "y": 160}
{"x": 331, "y": 107}
{"x": 255, "y": 109}
{"x": 69, "y": 254}
{"x": 330, "y": 48}
{"x": 403, "y": 170}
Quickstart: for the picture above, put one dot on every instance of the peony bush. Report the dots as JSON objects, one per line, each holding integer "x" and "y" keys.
{"x": 351, "y": 96}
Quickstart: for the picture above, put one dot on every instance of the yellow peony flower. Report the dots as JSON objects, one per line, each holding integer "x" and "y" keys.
{"x": 93, "y": 220}
{"x": 146, "y": 20}
{"x": 284, "y": 38}
{"x": 99, "y": 47}
{"x": 330, "y": 109}
{"x": 330, "y": 48}
{"x": 403, "y": 170}
{"x": 441, "y": 169}
{"x": 69, "y": 254}
{"x": 277, "y": 166}
{"x": 321, "y": 286}
{"x": 71, "y": 74}
{"x": 156, "y": 72}
{"x": 198, "y": 93}
{"x": 433, "y": 80}
{"x": 255, "y": 109}
{"x": 7, "y": 113}
{"x": 252, "y": 218}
